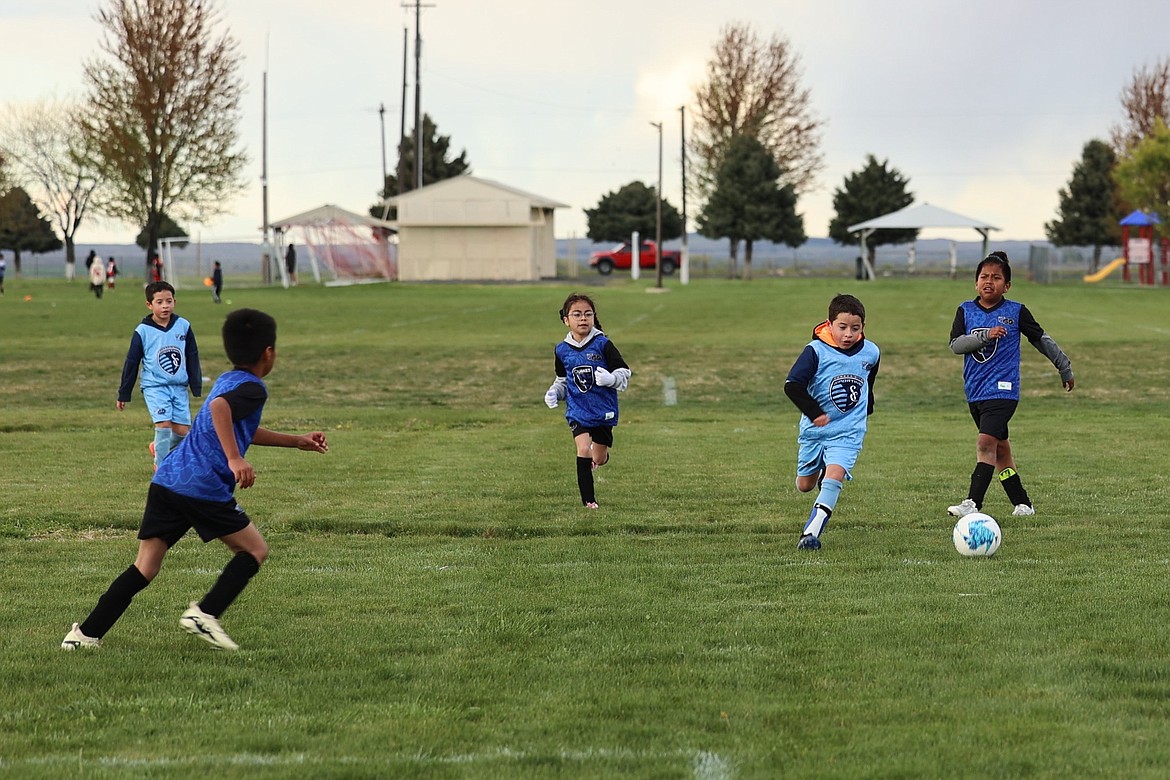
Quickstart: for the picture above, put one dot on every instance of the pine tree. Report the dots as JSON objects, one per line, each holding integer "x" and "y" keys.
{"x": 1088, "y": 212}
{"x": 871, "y": 192}
{"x": 748, "y": 203}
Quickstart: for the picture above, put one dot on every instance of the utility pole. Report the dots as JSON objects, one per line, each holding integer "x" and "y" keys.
{"x": 658, "y": 212}
{"x": 402, "y": 121}
{"x": 418, "y": 130}
{"x": 382, "y": 120}
{"x": 684, "y": 271}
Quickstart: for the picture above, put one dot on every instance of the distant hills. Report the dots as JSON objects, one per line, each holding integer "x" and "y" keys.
{"x": 822, "y": 253}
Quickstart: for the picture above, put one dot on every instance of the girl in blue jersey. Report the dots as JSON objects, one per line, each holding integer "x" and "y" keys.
{"x": 194, "y": 487}
{"x": 831, "y": 383}
{"x": 986, "y": 332}
{"x": 590, "y": 372}
{"x": 164, "y": 345}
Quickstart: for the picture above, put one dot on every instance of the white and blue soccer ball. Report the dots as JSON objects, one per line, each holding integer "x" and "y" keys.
{"x": 977, "y": 535}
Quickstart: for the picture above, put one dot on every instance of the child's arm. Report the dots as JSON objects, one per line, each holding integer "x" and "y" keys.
{"x": 130, "y": 370}
{"x": 873, "y": 372}
{"x": 1047, "y": 347}
{"x": 558, "y": 390}
{"x": 309, "y": 442}
{"x": 796, "y": 387}
{"x": 221, "y": 419}
{"x": 194, "y": 371}
{"x": 964, "y": 343}
{"x": 618, "y": 374}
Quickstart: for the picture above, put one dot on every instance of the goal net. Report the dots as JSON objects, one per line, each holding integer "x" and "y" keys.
{"x": 337, "y": 247}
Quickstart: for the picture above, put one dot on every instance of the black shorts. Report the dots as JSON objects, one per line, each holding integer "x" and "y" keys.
{"x": 169, "y": 516}
{"x": 602, "y": 434}
{"x": 992, "y": 416}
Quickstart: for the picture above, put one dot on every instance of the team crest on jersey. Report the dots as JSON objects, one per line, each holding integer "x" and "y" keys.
{"x": 845, "y": 390}
{"x": 170, "y": 359}
{"x": 984, "y": 354}
{"x": 583, "y": 378}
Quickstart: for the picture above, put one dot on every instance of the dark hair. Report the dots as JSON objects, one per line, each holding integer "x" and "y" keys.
{"x": 996, "y": 258}
{"x": 246, "y": 334}
{"x": 157, "y": 287}
{"x": 574, "y": 298}
{"x": 846, "y": 304}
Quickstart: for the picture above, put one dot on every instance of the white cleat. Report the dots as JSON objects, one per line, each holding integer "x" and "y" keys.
{"x": 1024, "y": 510}
{"x": 963, "y": 508}
{"x": 196, "y": 621}
{"x": 75, "y": 639}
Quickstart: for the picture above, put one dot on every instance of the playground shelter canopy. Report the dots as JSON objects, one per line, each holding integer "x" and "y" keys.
{"x": 917, "y": 217}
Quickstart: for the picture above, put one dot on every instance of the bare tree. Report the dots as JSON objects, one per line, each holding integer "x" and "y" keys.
{"x": 753, "y": 88}
{"x": 1144, "y": 100}
{"x": 47, "y": 152}
{"x": 164, "y": 118}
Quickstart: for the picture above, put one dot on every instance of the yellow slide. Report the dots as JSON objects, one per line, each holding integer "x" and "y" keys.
{"x": 1105, "y": 271}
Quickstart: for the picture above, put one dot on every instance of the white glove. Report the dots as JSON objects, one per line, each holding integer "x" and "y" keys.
{"x": 602, "y": 378}
{"x": 556, "y": 391}
{"x": 621, "y": 379}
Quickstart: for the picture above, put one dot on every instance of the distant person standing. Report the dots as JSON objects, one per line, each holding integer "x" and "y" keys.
{"x": 156, "y": 269}
{"x": 216, "y": 282}
{"x": 3, "y": 268}
{"x": 97, "y": 277}
{"x": 70, "y": 268}
{"x": 111, "y": 272}
{"x": 290, "y": 263}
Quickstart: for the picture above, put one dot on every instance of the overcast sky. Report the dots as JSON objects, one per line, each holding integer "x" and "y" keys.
{"x": 983, "y": 106}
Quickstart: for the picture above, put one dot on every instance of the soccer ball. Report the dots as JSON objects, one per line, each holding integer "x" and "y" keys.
{"x": 977, "y": 535}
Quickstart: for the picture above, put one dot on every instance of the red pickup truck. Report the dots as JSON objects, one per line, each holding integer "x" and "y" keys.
{"x": 620, "y": 256}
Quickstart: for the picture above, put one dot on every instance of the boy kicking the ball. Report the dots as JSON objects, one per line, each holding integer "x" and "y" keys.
{"x": 831, "y": 383}
{"x": 193, "y": 488}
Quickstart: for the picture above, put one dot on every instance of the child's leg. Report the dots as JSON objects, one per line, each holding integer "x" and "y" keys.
{"x": 986, "y": 447}
{"x": 178, "y": 433}
{"x": 250, "y": 552}
{"x": 826, "y": 502}
{"x": 600, "y": 454}
{"x": 584, "y": 444}
{"x": 125, "y": 587}
{"x": 1005, "y": 465}
{"x": 162, "y": 441}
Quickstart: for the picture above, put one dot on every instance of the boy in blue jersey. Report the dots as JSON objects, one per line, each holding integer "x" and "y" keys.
{"x": 164, "y": 345}
{"x": 590, "y": 372}
{"x": 831, "y": 383}
{"x": 193, "y": 489}
{"x": 986, "y": 332}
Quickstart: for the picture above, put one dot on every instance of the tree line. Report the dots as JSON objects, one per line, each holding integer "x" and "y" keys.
{"x": 156, "y": 138}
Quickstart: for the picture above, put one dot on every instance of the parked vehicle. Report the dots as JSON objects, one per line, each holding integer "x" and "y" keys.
{"x": 620, "y": 257}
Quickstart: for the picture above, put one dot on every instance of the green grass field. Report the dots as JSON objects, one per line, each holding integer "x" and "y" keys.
{"x": 438, "y": 605}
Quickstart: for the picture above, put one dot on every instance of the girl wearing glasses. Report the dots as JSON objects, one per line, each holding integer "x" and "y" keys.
{"x": 590, "y": 372}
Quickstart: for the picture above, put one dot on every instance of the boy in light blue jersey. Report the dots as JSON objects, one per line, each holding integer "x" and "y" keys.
{"x": 831, "y": 383}
{"x": 590, "y": 372}
{"x": 986, "y": 332}
{"x": 194, "y": 487}
{"x": 164, "y": 345}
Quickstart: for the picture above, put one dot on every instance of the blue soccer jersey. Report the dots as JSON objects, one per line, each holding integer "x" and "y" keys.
{"x": 168, "y": 356}
{"x": 198, "y": 468}
{"x": 586, "y": 402}
{"x": 840, "y": 383}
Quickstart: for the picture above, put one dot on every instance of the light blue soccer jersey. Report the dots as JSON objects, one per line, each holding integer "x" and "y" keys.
{"x": 586, "y": 402}
{"x": 840, "y": 382}
{"x": 167, "y": 356}
{"x": 993, "y": 372}
{"x": 198, "y": 468}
